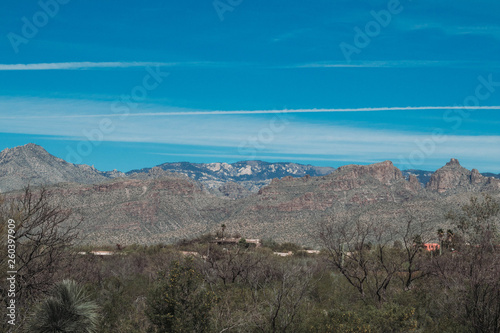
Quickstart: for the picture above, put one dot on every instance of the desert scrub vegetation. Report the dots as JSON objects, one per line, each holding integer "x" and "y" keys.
{"x": 367, "y": 278}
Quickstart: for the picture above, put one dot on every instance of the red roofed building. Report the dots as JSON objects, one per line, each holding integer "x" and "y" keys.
{"x": 431, "y": 246}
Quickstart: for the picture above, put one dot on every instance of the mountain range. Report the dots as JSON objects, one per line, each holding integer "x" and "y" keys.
{"x": 252, "y": 175}
{"x": 32, "y": 164}
{"x": 283, "y": 201}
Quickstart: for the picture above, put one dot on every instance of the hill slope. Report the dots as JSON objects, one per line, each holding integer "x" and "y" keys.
{"x": 31, "y": 164}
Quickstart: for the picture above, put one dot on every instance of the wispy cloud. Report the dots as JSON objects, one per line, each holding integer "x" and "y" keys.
{"x": 450, "y": 26}
{"x": 398, "y": 64}
{"x": 275, "y": 157}
{"x": 296, "y": 139}
{"x": 97, "y": 65}
{"x": 208, "y": 64}
{"x": 250, "y": 112}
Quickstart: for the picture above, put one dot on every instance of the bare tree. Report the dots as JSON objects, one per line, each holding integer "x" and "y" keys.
{"x": 472, "y": 273}
{"x": 229, "y": 266}
{"x": 415, "y": 232}
{"x": 360, "y": 248}
{"x": 43, "y": 238}
{"x": 286, "y": 297}
{"x": 264, "y": 293}
{"x": 347, "y": 242}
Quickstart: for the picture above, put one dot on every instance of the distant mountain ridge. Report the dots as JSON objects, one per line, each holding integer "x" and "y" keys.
{"x": 32, "y": 164}
{"x": 158, "y": 205}
{"x": 252, "y": 175}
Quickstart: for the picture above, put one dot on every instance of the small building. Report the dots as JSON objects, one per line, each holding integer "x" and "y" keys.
{"x": 255, "y": 241}
{"x": 102, "y": 253}
{"x": 431, "y": 246}
{"x": 283, "y": 254}
{"x": 98, "y": 253}
{"x": 235, "y": 241}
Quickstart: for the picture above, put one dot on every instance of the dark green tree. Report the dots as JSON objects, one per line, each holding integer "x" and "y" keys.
{"x": 180, "y": 302}
{"x": 243, "y": 243}
{"x": 223, "y": 228}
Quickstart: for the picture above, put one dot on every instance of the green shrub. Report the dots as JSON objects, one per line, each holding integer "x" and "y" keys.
{"x": 180, "y": 302}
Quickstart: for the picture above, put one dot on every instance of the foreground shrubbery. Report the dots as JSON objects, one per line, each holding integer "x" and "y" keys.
{"x": 363, "y": 281}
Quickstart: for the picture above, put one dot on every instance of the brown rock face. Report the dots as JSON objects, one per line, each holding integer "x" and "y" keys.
{"x": 351, "y": 184}
{"x": 476, "y": 177}
{"x": 453, "y": 176}
{"x": 413, "y": 183}
{"x": 385, "y": 172}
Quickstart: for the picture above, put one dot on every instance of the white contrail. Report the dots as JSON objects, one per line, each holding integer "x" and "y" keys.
{"x": 406, "y": 108}
{"x": 339, "y": 64}
{"x": 397, "y": 64}
{"x": 90, "y": 65}
{"x": 250, "y": 112}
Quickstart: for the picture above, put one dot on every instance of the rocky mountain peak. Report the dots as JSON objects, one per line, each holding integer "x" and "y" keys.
{"x": 414, "y": 183}
{"x": 32, "y": 146}
{"x": 453, "y": 162}
{"x": 27, "y": 149}
{"x": 32, "y": 164}
{"x": 475, "y": 176}
{"x": 453, "y": 177}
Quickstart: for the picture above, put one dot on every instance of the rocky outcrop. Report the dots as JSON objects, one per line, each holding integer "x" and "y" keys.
{"x": 348, "y": 185}
{"x": 413, "y": 183}
{"x": 476, "y": 177}
{"x": 385, "y": 172}
{"x": 453, "y": 177}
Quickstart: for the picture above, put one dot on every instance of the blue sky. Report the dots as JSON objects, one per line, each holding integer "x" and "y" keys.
{"x": 132, "y": 84}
